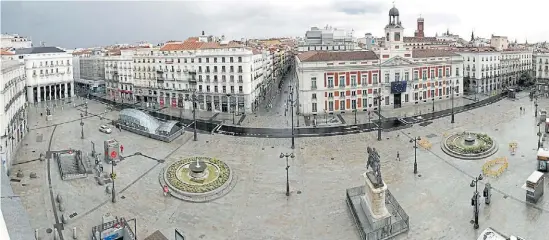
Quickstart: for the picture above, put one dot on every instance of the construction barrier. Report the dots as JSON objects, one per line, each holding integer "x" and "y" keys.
{"x": 488, "y": 167}
{"x": 425, "y": 144}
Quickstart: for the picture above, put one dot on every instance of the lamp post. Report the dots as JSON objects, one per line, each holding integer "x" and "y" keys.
{"x": 326, "y": 116}
{"x": 113, "y": 176}
{"x": 475, "y": 199}
{"x": 291, "y": 155}
{"x": 291, "y": 101}
{"x": 86, "y": 107}
{"x": 539, "y": 135}
{"x": 433, "y": 111}
{"x": 82, "y": 125}
{"x": 230, "y": 105}
{"x": 415, "y": 139}
{"x": 194, "y": 99}
{"x": 536, "y": 110}
{"x": 379, "y": 126}
{"x": 452, "y": 89}
{"x": 355, "y": 116}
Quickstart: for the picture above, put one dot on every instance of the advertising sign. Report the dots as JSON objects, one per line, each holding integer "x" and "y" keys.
{"x": 161, "y": 102}
{"x": 174, "y": 102}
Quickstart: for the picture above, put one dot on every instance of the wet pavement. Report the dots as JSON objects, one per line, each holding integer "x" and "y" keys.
{"x": 437, "y": 199}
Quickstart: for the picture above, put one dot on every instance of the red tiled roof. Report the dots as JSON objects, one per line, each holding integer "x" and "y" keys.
{"x": 6, "y": 53}
{"x": 427, "y": 53}
{"x": 322, "y": 56}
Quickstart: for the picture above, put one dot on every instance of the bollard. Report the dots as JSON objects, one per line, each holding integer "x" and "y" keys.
{"x": 61, "y": 207}
{"x": 74, "y": 233}
{"x": 63, "y": 219}
{"x": 59, "y": 198}
{"x": 36, "y": 234}
{"x": 55, "y": 237}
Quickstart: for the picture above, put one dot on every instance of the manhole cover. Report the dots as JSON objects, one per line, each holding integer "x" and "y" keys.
{"x": 332, "y": 158}
{"x": 472, "y": 221}
{"x": 298, "y": 192}
{"x": 33, "y": 151}
{"x": 49, "y": 230}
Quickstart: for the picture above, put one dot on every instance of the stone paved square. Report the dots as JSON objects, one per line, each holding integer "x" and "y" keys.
{"x": 437, "y": 199}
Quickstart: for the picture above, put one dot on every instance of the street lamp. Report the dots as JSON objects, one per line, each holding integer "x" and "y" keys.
{"x": 291, "y": 155}
{"x": 82, "y": 125}
{"x": 433, "y": 112}
{"x": 539, "y": 135}
{"x": 326, "y": 116}
{"x": 536, "y": 105}
{"x": 415, "y": 139}
{"x": 194, "y": 99}
{"x": 378, "y": 96}
{"x": 291, "y": 101}
{"x": 86, "y": 107}
{"x": 231, "y": 108}
{"x": 452, "y": 89}
{"x": 113, "y": 176}
{"x": 475, "y": 199}
{"x": 355, "y": 116}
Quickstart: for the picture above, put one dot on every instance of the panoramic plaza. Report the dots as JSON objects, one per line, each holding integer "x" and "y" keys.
{"x": 437, "y": 198}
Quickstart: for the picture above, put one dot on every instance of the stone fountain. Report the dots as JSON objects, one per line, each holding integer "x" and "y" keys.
{"x": 198, "y": 170}
{"x": 470, "y": 139}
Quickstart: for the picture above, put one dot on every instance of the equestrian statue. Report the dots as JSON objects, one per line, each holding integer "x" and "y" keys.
{"x": 374, "y": 163}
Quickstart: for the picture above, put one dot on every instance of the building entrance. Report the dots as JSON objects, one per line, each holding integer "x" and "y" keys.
{"x": 397, "y": 100}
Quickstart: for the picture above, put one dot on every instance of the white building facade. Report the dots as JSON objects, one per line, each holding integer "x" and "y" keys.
{"x": 328, "y": 39}
{"x": 13, "y": 117}
{"x": 15, "y": 41}
{"x": 541, "y": 70}
{"x": 335, "y": 82}
{"x": 119, "y": 76}
{"x": 226, "y": 76}
{"x": 49, "y": 73}
{"x": 488, "y": 70}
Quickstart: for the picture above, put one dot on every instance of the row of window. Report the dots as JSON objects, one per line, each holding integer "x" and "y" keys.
{"x": 504, "y": 57}
{"x": 185, "y": 60}
{"x": 45, "y": 71}
{"x": 51, "y": 63}
{"x": 397, "y": 77}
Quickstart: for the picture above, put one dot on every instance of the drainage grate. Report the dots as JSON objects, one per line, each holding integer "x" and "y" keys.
{"x": 15, "y": 180}
{"x": 432, "y": 135}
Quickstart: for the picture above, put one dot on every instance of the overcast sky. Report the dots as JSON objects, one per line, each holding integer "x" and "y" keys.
{"x": 74, "y": 24}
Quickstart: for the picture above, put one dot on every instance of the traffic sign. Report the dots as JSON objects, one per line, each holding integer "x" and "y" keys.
{"x": 113, "y": 154}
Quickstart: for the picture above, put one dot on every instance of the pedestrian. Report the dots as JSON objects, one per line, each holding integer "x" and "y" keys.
{"x": 520, "y": 109}
{"x": 122, "y": 149}
{"x": 165, "y": 190}
{"x": 398, "y": 156}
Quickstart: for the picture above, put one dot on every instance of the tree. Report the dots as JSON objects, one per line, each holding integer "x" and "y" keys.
{"x": 525, "y": 80}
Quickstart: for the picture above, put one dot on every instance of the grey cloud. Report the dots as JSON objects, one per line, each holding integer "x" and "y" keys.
{"x": 74, "y": 24}
{"x": 359, "y": 7}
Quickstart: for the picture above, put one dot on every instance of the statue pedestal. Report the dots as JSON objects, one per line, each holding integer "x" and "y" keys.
{"x": 373, "y": 202}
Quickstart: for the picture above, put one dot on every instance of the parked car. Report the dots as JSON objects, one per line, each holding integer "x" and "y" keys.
{"x": 105, "y": 129}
